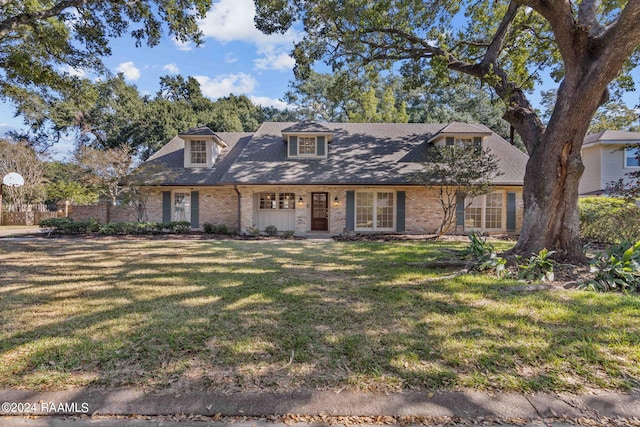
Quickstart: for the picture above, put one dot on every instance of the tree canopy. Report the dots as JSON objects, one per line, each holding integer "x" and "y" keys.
{"x": 587, "y": 46}
{"x": 43, "y": 43}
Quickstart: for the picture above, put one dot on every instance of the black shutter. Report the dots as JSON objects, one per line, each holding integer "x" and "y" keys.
{"x": 449, "y": 141}
{"x": 400, "y": 209}
{"x": 459, "y": 210}
{"x": 351, "y": 210}
{"x": 477, "y": 143}
{"x": 166, "y": 206}
{"x": 320, "y": 150}
{"x": 511, "y": 211}
{"x": 195, "y": 209}
{"x": 293, "y": 146}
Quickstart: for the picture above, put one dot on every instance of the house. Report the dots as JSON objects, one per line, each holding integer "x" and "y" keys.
{"x": 324, "y": 178}
{"x": 607, "y": 156}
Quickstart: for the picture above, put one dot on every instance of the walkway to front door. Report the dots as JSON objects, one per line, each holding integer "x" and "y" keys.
{"x": 319, "y": 211}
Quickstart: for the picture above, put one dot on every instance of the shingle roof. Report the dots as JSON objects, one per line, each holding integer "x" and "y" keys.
{"x": 361, "y": 153}
{"x": 611, "y": 135}
{"x": 306, "y": 127}
{"x": 166, "y": 166}
{"x": 198, "y": 131}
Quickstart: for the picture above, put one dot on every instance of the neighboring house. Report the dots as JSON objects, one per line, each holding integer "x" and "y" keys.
{"x": 607, "y": 157}
{"x": 324, "y": 178}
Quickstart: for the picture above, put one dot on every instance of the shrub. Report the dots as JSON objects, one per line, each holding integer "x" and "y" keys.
{"x": 66, "y": 225}
{"x": 608, "y": 220}
{"x": 288, "y": 234}
{"x": 271, "y": 230}
{"x": 539, "y": 267}
{"x": 221, "y": 229}
{"x": 484, "y": 255}
{"x": 252, "y": 231}
{"x": 178, "y": 227}
{"x": 618, "y": 268}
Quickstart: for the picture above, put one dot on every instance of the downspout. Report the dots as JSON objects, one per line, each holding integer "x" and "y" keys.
{"x": 235, "y": 187}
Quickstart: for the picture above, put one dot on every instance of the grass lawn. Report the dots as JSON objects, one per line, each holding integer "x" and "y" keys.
{"x": 278, "y": 315}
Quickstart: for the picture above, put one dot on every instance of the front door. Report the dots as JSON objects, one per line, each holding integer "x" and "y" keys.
{"x": 320, "y": 211}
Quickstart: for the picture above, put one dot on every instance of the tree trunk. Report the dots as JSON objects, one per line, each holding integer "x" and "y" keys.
{"x": 554, "y": 169}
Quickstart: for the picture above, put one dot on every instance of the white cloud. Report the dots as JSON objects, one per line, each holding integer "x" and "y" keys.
{"x": 225, "y": 84}
{"x": 184, "y": 46}
{"x": 72, "y": 71}
{"x": 129, "y": 70}
{"x": 269, "y": 102}
{"x": 171, "y": 68}
{"x": 232, "y": 20}
{"x": 275, "y": 61}
{"x": 230, "y": 58}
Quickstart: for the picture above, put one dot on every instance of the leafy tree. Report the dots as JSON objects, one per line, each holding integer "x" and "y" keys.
{"x": 19, "y": 157}
{"x": 456, "y": 174}
{"x": 65, "y": 181}
{"x": 108, "y": 169}
{"x": 42, "y": 41}
{"x": 585, "y": 45}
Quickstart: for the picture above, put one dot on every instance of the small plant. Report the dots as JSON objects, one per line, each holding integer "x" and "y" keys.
{"x": 288, "y": 234}
{"x": 207, "y": 227}
{"x": 484, "y": 255}
{"x": 252, "y": 231}
{"x": 539, "y": 267}
{"x": 618, "y": 268}
{"x": 271, "y": 230}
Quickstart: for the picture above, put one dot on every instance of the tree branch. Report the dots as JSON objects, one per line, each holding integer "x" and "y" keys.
{"x": 588, "y": 16}
{"x": 11, "y": 23}
{"x": 622, "y": 36}
{"x": 494, "y": 49}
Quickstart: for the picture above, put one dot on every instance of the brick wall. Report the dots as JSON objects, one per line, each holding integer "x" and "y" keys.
{"x": 103, "y": 213}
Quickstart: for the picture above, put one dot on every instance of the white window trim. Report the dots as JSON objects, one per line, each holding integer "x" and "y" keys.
{"x": 209, "y": 156}
{"x": 503, "y": 216}
{"x": 627, "y": 150}
{"x": 375, "y": 214}
{"x": 173, "y": 204}
{"x": 191, "y": 152}
{"x": 277, "y": 201}
{"x": 309, "y": 156}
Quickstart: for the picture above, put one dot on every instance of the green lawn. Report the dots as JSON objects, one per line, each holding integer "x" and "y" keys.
{"x": 277, "y": 315}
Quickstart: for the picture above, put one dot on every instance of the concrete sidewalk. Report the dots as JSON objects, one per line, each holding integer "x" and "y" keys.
{"x": 471, "y": 405}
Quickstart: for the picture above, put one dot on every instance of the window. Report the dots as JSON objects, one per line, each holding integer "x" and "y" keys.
{"x": 198, "y": 152}
{"x": 268, "y": 201}
{"x": 181, "y": 207}
{"x": 375, "y": 211}
{"x": 485, "y": 212}
{"x": 632, "y": 157}
{"x": 287, "y": 201}
{"x": 273, "y": 201}
{"x": 306, "y": 146}
{"x": 464, "y": 142}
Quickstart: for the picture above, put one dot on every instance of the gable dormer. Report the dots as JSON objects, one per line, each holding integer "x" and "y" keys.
{"x": 201, "y": 147}
{"x": 460, "y": 134}
{"x": 307, "y": 140}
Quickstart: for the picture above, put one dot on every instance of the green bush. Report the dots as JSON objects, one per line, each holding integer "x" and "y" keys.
{"x": 69, "y": 226}
{"x": 288, "y": 234}
{"x": 609, "y": 220}
{"x": 221, "y": 229}
{"x": 252, "y": 231}
{"x": 271, "y": 230}
{"x": 484, "y": 255}
{"x": 618, "y": 268}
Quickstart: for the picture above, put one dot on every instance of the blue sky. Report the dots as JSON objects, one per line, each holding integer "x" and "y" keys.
{"x": 235, "y": 58}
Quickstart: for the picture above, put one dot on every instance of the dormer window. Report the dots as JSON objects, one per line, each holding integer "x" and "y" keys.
{"x": 201, "y": 147}
{"x": 307, "y": 146}
{"x": 198, "y": 152}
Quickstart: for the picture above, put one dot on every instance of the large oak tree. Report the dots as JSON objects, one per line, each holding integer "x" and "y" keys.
{"x": 585, "y": 45}
{"x": 46, "y": 44}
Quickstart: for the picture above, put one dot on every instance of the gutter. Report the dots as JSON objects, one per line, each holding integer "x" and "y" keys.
{"x": 235, "y": 187}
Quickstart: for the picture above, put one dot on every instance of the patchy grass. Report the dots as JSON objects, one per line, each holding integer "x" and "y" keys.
{"x": 277, "y": 315}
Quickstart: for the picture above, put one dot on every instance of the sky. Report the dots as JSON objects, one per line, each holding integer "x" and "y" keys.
{"x": 235, "y": 58}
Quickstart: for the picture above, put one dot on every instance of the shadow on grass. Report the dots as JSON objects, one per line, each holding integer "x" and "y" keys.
{"x": 230, "y": 316}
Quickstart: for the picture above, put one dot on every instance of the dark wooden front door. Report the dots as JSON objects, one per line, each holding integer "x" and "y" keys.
{"x": 320, "y": 211}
